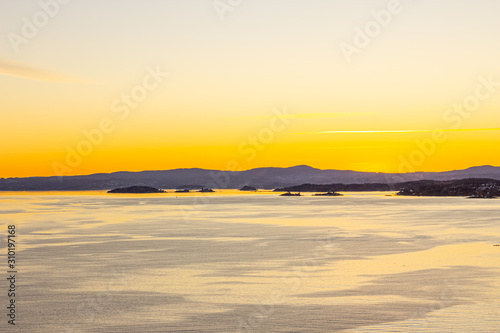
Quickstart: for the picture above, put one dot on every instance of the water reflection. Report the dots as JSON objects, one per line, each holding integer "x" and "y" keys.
{"x": 255, "y": 262}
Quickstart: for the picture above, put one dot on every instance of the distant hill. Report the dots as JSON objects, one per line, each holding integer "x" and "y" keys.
{"x": 264, "y": 178}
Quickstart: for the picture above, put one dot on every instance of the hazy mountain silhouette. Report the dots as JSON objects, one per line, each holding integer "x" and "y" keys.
{"x": 266, "y": 178}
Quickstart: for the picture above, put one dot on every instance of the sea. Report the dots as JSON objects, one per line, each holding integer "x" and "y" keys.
{"x": 233, "y": 261}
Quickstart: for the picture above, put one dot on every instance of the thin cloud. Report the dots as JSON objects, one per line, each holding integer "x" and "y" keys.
{"x": 24, "y": 71}
{"x": 317, "y": 115}
{"x": 406, "y": 131}
{"x": 357, "y": 147}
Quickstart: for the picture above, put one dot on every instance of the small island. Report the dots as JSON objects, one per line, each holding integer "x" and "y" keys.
{"x": 136, "y": 189}
{"x": 328, "y": 194}
{"x": 182, "y": 191}
{"x": 206, "y": 190}
{"x": 248, "y": 188}
{"x": 289, "y": 194}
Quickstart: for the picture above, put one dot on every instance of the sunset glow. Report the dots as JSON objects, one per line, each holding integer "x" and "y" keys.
{"x": 130, "y": 85}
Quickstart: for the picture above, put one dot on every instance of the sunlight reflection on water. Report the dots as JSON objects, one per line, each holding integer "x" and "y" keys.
{"x": 234, "y": 261}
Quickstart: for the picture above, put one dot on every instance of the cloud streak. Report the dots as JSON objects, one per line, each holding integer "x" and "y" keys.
{"x": 405, "y": 131}
{"x": 316, "y": 115}
{"x": 24, "y": 71}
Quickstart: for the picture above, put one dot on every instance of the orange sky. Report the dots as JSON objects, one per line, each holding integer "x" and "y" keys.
{"x": 124, "y": 85}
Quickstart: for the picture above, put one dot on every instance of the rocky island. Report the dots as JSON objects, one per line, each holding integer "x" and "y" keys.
{"x": 248, "y": 188}
{"x": 136, "y": 189}
{"x": 289, "y": 194}
{"x": 328, "y": 194}
{"x": 206, "y": 190}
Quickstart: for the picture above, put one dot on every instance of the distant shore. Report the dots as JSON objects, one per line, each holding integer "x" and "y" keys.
{"x": 259, "y": 178}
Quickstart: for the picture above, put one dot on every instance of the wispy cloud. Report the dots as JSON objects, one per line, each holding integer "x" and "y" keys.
{"x": 404, "y": 131}
{"x": 25, "y": 71}
{"x": 316, "y": 115}
{"x": 358, "y": 147}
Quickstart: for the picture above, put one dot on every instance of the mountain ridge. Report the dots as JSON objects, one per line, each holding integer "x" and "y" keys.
{"x": 264, "y": 177}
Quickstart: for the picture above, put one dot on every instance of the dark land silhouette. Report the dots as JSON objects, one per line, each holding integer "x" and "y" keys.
{"x": 263, "y": 178}
{"x": 136, "y": 189}
{"x": 471, "y": 187}
{"x": 248, "y": 188}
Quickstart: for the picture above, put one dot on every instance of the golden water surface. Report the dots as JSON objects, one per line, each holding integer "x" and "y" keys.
{"x": 235, "y": 261}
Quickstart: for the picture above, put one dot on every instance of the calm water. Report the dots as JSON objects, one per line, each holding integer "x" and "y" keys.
{"x": 257, "y": 262}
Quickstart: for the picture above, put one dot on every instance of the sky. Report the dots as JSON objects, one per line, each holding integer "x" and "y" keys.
{"x": 92, "y": 86}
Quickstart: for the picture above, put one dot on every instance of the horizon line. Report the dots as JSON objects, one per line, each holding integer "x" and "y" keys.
{"x": 294, "y": 166}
